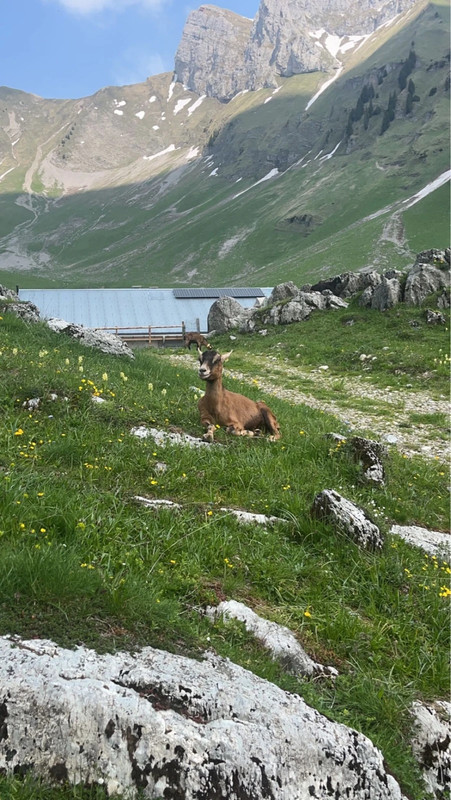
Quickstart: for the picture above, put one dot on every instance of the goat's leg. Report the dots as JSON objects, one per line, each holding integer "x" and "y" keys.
{"x": 209, "y": 435}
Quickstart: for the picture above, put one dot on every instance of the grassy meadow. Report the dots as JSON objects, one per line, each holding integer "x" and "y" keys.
{"x": 83, "y": 562}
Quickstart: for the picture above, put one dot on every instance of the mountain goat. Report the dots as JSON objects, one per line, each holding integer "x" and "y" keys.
{"x": 233, "y": 411}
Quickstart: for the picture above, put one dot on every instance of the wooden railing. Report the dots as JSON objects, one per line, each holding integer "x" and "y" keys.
{"x": 148, "y": 333}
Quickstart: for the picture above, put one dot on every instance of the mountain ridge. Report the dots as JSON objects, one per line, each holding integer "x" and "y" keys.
{"x": 153, "y": 183}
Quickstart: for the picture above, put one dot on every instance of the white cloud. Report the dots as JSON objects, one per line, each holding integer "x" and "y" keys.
{"x": 86, "y": 7}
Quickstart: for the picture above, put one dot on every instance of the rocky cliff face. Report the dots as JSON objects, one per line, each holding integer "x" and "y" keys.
{"x": 211, "y": 54}
{"x": 222, "y": 53}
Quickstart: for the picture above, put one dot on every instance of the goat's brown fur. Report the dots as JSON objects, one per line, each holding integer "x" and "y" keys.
{"x": 191, "y": 337}
{"x": 238, "y": 414}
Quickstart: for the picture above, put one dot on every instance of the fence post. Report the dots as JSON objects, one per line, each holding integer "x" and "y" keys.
{"x": 150, "y": 335}
{"x": 197, "y": 325}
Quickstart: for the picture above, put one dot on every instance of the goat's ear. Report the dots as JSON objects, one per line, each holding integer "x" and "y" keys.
{"x": 225, "y": 356}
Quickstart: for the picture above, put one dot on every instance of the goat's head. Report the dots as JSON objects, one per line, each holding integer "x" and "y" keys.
{"x": 210, "y": 364}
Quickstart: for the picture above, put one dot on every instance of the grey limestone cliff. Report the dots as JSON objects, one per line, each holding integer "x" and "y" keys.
{"x": 210, "y": 56}
{"x": 222, "y": 53}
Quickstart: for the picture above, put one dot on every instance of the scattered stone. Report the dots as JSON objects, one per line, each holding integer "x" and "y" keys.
{"x": 246, "y": 518}
{"x": 435, "y": 318}
{"x": 431, "y": 745}
{"x": 32, "y": 404}
{"x": 153, "y": 502}
{"x": 390, "y": 438}
{"x": 160, "y": 467}
{"x": 175, "y": 727}
{"x": 347, "y": 518}
{"x": 435, "y": 543}
{"x": 370, "y": 455}
{"x": 278, "y": 639}
{"x": 336, "y": 437}
{"x": 96, "y": 399}
{"x": 162, "y": 438}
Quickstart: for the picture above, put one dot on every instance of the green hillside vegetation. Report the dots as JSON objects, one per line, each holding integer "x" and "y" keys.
{"x": 179, "y": 224}
{"x": 82, "y": 562}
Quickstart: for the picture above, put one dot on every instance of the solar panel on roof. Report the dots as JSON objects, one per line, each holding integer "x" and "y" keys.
{"x": 193, "y": 294}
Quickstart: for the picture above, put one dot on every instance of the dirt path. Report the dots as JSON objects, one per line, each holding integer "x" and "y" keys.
{"x": 386, "y": 413}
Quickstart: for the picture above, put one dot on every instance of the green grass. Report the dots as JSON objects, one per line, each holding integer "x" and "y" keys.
{"x": 81, "y": 561}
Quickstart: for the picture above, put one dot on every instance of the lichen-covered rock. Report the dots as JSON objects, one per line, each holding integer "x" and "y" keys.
{"x": 90, "y": 337}
{"x": 432, "y": 745}
{"x": 174, "y": 727}
{"x": 347, "y": 518}
{"x": 371, "y": 455}
{"x": 434, "y": 318}
{"x": 278, "y": 639}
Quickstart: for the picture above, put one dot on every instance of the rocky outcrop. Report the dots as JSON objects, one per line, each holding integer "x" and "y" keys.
{"x": 210, "y": 56}
{"x": 101, "y": 340}
{"x": 423, "y": 280}
{"x": 287, "y": 303}
{"x": 221, "y": 53}
{"x": 347, "y": 518}
{"x": 90, "y": 337}
{"x": 173, "y": 727}
{"x": 9, "y": 301}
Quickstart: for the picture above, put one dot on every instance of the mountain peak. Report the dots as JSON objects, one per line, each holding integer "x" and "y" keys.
{"x": 222, "y": 53}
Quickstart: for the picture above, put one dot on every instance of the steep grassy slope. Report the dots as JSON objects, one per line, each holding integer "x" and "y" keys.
{"x": 82, "y": 561}
{"x": 336, "y": 199}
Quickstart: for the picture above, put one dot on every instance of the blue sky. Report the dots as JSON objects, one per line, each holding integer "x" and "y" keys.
{"x": 72, "y": 48}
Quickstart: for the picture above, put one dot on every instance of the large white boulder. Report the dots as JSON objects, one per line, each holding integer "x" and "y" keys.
{"x": 174, "y": 727}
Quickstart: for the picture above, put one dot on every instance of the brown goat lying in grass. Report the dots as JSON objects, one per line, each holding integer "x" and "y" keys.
{"x": 235, "y": 412}
{"x": 197, "y": 339}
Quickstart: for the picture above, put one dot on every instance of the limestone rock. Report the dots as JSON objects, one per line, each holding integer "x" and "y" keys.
{"x": 370, "y": 454}
{"x": 347, "y": 518}
{"x": 435, "y": 543}
{"x": 101, "y": 340}
{"x": 283, "y": 291}
{"x": 222, "y": 53}
{"x": 424, "y": 280}
{"x": 434, "y": 318}
{"x": 174, "y": 727}
{"x": 432, "y": 745}
{"x": 210, "y": 56}
{"x": 386, "y": 295}
{"x": 163, "y": 438}
{"x": 9, "y": 294}
{"x": 226, "y": 313}
{"x": 278, "y": 639}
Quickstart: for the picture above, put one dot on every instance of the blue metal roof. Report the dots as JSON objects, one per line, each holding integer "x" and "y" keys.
{"x": 125, "y": 308}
